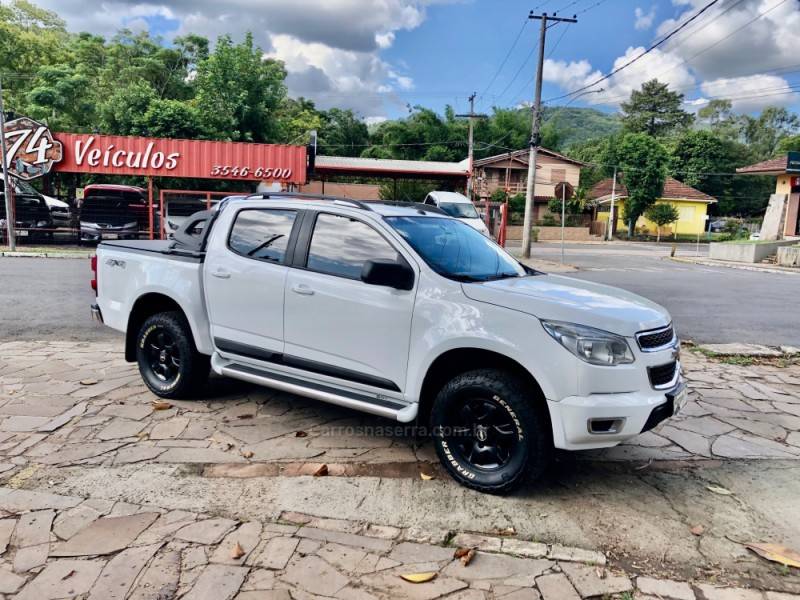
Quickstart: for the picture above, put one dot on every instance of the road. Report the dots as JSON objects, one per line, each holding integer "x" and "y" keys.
{"x": 49, "y": 298}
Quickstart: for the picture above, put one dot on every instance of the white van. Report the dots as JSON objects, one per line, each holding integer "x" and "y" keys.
{"x": 458, "y": 206}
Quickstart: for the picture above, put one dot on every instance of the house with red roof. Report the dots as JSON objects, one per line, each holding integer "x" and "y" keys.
{"x": 692, "y": 205}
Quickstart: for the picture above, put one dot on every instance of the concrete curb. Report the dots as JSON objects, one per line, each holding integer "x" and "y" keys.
{"x": 46, "y": 254}
{"x": 741, "y": 267}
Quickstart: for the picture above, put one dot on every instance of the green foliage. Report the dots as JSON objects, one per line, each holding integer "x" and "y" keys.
{"x": 764, "y": 133}
{"x": 704, "y": 160}
{"x": 517, "y": 203}
{"x": 239, "y": 91}
{"x": 788, "y": 144}
{"x": 342, "y": 133}
{"x": 500, "y": 195}
{"x": 643, "y": 161}
{"x": 407, "y": 190}
{"x": 579, "y": 125}
{"x": 655, "y": 110}
{"x": 662, "y": 214}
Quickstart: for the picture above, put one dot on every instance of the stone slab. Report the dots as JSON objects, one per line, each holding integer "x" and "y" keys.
{"x": 106, "y": 535}
{"x": 217, "y": 582}
{"x": 120, "y": 572}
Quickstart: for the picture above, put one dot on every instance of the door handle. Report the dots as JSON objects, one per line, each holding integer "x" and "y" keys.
{"x": 302, "y": 289}
{"x": 219, "y": 273}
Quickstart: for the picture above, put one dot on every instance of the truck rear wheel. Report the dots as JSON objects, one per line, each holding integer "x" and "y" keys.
{"x": 168, "y": 360}
{"x": 488, "y": 433}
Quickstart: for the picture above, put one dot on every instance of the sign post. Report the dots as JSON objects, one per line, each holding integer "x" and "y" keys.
{"x": 12, "y": 244}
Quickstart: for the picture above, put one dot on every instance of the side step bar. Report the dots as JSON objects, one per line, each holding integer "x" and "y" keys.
{"x": 383, "y": 407}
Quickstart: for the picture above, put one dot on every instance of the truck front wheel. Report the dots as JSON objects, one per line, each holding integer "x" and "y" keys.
{"x": 488, "y": 433}
{"x": 169, "y": 363}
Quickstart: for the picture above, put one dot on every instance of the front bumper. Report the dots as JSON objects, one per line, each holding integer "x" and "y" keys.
{"x": 605, "y": 420}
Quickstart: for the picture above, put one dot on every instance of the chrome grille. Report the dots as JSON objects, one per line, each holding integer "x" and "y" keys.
{"x": 662, "y": 375}
{"x": 655, "y": 339}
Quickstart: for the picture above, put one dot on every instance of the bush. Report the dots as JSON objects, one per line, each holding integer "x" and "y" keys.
{"x": 499, "y": 195}
{"x": 517, "y": 203}
{"x": 549, "y": 221}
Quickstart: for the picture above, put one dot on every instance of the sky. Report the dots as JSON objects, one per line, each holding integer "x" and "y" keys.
{"x": 382, "y": 57}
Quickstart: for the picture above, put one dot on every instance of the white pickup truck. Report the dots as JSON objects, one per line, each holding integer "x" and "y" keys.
{"x": 398, "y": 311}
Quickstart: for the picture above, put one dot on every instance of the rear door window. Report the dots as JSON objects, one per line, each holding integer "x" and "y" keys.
{"x": 262, "y": 234}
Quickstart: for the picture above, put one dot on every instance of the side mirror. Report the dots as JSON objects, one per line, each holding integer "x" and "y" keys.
{"x": 389, "y": 273}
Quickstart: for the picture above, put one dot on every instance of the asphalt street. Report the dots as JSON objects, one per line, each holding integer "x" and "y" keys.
{"x": 48, "y": 299}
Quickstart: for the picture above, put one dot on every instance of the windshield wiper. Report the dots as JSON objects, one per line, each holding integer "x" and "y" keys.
{"x": 503, "y": 275}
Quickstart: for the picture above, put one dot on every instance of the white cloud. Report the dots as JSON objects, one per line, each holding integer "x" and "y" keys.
{"x": 574, "y": 75}
{"x": 331, "y": 47}
{"x": 751, "y": 93}
{"x": 644, "y": 20}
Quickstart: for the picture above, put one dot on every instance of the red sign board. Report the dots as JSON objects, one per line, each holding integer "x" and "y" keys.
{"x": 121, "y": 155}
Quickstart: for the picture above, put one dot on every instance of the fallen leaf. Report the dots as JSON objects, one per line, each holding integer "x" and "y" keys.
{"x": 68, "y": 575}
{"x": 244, "y": 416}
{"x": 300, "y": 434}
{"x": 467, "y": 558}
{"x": 506, "y": 531}
{"x": 247, "y": 454}
{"x": 460, "y": 551}
{"x": 237, "y": 551}
{"x": 776, "y": 553}
{"x": 426, "y": 477}
{"x": 419, "y": 577}
{"x": 697, "y": 530}
{"x": 161, "y": 405}
{"x": 321, "y": 471}
{"x": 719, "y": 490}
{"x": 88, "y": 381}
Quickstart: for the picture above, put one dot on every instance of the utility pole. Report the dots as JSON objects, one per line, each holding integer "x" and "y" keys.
{"x": 612, "y": 220}
{"x": 535, "y": 141}
{"x": 7, "y": 191}
{"x": 472, "y": 116}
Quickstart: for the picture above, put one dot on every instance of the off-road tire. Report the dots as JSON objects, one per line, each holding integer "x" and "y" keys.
{"x": 531, "y": 439}
{"x": 180, "y": 371}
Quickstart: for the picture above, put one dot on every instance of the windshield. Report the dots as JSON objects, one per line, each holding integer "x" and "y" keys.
{"x": 456, "y": 250}
{"x": 459, "y": 210}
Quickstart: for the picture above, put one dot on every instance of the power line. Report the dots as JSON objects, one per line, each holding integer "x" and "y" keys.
{"x": 727, "y": 37}
{"x": 505, "y": 60}
{"x": 641, "y": 54}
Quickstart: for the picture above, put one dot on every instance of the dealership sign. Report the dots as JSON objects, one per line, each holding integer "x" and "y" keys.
{"x": 793, "y": 162}
{"x": 31, "y": 149}
{"x": 124, "y": 155}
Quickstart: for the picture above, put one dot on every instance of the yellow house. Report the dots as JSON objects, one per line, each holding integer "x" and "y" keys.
{"x": 692, "y": 207}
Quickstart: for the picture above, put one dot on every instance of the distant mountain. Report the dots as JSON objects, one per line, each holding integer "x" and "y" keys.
{"x": 575, "y": 124}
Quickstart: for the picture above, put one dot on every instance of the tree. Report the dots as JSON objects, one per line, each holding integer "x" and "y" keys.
{"x": 408, "y": 190}
{"x": 172, "y": 119}
{"x": 343, "y": 133}
{"x": 643, "y": 161}
{"x": 655, "y": 110}
{"x": 239, "y": 92}
{"x": 789, "y": 144}
{"x": 764, "y": 133}
{"x": 661, "y": 214}
{"x": 718, "y": 117}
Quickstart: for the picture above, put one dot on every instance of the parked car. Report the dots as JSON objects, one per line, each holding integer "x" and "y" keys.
{"x": 718, "y": 225}
{"x": 60, "y": 211}
{"x": 397, "y": 311}
{"x": 111, "y": 212}
{"x": 458, "y": 206}
{"x": 32, "y": 217}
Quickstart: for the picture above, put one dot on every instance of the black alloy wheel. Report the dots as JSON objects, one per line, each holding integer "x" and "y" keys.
{"x": 163, "y": 355}
{"x": 168, "y": 359}
{"x": 491, "y": 432}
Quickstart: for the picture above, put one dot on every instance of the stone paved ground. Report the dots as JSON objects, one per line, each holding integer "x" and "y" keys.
{"x": 57, "y": 546}
{"x": 75, "y": 416}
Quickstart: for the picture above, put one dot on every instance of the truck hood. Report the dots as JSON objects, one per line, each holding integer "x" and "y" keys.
{"x": 565, "y": 299}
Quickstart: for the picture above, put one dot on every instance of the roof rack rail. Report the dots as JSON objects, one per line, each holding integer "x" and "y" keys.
{"x": 301, "y": 196}
{"x": 429, "y": 208}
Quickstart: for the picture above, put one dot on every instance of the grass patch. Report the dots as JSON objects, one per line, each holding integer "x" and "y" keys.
{"x": 741, "y": 360}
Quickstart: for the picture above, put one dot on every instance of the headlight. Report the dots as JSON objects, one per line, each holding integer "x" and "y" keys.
{"x": 42, "y": 223}
{"x": 131, "y": 224}
{"x": 595, "y": 346}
